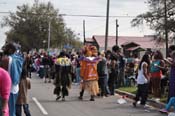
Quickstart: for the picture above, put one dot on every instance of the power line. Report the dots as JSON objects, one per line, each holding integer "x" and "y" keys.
{"x": 4, "y": 12}
{"x": 119, "y": 16}
{"x": 102, "y": 25}
{"x": 80, "y": 15}
{"x": 3, "y": 3}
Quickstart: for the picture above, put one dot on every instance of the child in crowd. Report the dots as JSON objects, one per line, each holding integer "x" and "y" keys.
{"x": 24, "y": 85}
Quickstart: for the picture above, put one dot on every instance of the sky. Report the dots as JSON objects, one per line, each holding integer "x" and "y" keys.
{"x": 93, "y": 26}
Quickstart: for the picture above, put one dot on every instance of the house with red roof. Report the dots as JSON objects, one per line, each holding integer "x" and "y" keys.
{"x": 128, "y": 43}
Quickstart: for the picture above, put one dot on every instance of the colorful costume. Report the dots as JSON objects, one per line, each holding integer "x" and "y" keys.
{"x": 88, "y": 72}
{"x": 62, "y": 82}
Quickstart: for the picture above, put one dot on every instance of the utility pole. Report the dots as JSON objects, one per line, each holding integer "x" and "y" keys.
{"x": 166, "y": 29}
{"x": 49, "y": 36}
{"x": 107, "y": 24}
{"x": 84, "y": 33}
{"x": 117, "y": 32}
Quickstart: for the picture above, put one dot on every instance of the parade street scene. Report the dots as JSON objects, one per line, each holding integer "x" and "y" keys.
{"x": 87, "y": 58}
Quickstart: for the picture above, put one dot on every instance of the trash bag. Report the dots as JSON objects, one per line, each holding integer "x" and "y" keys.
{"x": 171, "y": 114}
{"x": 121, "y": 101}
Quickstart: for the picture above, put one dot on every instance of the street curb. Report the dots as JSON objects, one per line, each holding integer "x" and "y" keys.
{"x": 150, "y": 102}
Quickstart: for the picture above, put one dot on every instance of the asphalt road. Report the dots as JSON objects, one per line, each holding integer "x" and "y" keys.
{"x": 42, "y": 102}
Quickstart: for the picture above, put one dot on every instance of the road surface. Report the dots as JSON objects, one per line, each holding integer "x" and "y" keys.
{"x": 42, "y": 103}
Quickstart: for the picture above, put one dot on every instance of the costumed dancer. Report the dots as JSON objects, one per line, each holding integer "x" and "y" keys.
{"x": 88, "y": 72}
{"x": 62, "y": 80}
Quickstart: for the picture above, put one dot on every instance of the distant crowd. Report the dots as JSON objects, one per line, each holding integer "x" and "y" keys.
{"x": 98, "y": 72}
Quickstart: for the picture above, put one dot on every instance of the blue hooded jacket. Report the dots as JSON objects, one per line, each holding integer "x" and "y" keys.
{"x": 16, "y": 68}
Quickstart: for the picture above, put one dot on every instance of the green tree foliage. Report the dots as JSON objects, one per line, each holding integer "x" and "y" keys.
{"x": 155, "y": 18}
{"x": 29, "y": 27}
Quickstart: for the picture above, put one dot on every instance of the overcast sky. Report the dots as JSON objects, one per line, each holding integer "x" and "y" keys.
{"x": 94, "y": 26}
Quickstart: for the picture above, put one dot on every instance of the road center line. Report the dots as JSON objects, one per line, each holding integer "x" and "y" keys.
{"x": 40, "y": 106}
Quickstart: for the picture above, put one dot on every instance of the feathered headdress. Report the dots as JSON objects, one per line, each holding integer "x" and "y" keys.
{"x": 90, "y": 50}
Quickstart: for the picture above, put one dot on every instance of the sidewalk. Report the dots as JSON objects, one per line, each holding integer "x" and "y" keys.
{"x": 150, "y": 102}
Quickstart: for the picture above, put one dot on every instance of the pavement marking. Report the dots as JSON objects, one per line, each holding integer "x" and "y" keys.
{"x": 40, "y": 106}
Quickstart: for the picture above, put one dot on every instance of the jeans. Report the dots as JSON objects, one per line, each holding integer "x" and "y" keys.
{"x": 111, "y": 82}
{"x": 106, "y": 84}
{"x": 78, "y": 78}
{"x": 121, "y": 78}
{"x": 12, "y": 103}
{"x": 102, "y": 86}
{"x": 170, "y": 103}
{"x": 25, "y": 108}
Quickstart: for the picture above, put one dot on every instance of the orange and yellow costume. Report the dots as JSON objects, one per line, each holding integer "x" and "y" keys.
{"x": 88, "y": 70}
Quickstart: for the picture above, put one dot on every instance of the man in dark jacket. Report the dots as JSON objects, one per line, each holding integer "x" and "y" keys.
{"x": 102, "y": 73}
